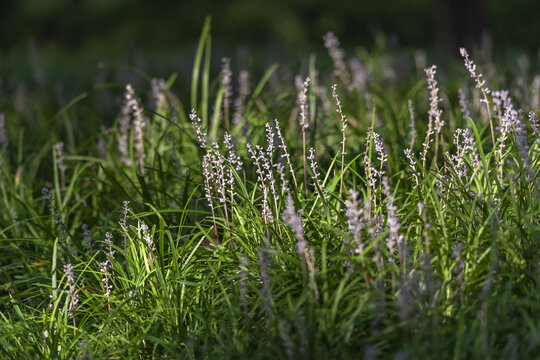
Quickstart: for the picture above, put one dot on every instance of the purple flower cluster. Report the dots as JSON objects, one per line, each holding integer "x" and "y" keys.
{"x": 434, "y": 100}
{"x": 393, "y": 225}
{"x": 264, "y": 172}
{"x": 240, "y": 101}
{"x": 74, "y": 298}
{"x": 302, "y": 100}
{"x": 196, "y": 121}
{"x": 315, "y": 177}
{"x": 107, "y": 265}
{"x": 293, "y": 219}
{"x": 149, "y": 241}
{"x": 59, "y": 147}
{"x": 471, "y": 66}
{"x": 355, "y": 220}
{"x": 331, "y": 42}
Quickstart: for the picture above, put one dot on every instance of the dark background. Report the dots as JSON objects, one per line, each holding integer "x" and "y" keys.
{"x": 117, "y": 25}
{"x": 65, "y": 41}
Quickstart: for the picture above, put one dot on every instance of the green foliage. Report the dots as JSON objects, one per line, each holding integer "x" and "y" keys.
{"x": 414, "y": 258}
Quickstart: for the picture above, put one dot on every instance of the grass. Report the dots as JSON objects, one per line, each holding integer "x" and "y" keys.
{"x": 247, "y": 248}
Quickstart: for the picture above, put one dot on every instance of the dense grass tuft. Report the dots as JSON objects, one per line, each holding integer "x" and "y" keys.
{"x": 390, "y": 215}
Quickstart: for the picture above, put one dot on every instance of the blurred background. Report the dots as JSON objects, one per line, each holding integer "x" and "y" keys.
{"x": 118, "y": 25}
{"x": 67, "y": 44}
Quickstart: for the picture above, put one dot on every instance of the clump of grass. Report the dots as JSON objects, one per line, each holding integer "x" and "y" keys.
{"x": 195, "y": 239}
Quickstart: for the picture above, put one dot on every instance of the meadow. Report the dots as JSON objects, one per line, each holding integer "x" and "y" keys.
{"x": 377, "y": 208}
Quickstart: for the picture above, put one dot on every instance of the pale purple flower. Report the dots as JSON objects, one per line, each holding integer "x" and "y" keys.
{"x": 442, "y": 184}
{"x": 535, "y": 92}
{"x": 379, "y": 149}
{"x": 261, "y": 163}
{"x": 234, "y": 162}
{"x": 302, "y": 100}
{"x": 214, "y": 177}
{"x": 470, "y": 65}
{"x": 355, "y": 221}
{"x": 132, "y": 110}
{"x": 213, "y": 165}
{"x": 434, "y": 111}
{"x": 196, "y": 121}
{"x": 47, "y": 196}
{"x": 267, "y": 164}
{"x": 293, "y": 219}
{"x": 342, "y": 117}
{"x": 501, "y": 100}
{"x": 285, "y": 155}
{"x": 58, "y": 147}
{"x": 339, "y": 110}
{"x": 507, "y": 122}
{"x": 331, "y": 42}
{"x": 369, "y": 170}
{"x": 208, "y": 177}
{"x": 412, "y": 167}
{"x": 226, "y": 78}
{"x": 535, "y": 123}
{"x": 465, "y": 149}
{"x": 280, "y": 168}
{"x": 412, "y": 126}
{"x": 218, "y": 169}
{"x": 393, "y": 225}
{"x": 123, "y": 221}
{"x": 243, "y": 93}
{"x": 149, "y": 241}
{"x": 464, "y": 105}
{"x": 70, "y": 280}
{"x": 360, "y": 73}
{"x": 109, "y": 242}
{"x": 125, "y": 212}
{"x": 270, "y": 141}
{"x": 87, "y": 236}
{"x": 159, "y": 88}
{"x": 522, "y": 145}
{"x": 138, "y": 128}
{"x": 426, "y": 144}
{"x": 315, "y": 177}
{"x": 105, "y": 266}
{"x": 124, "y": 124}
